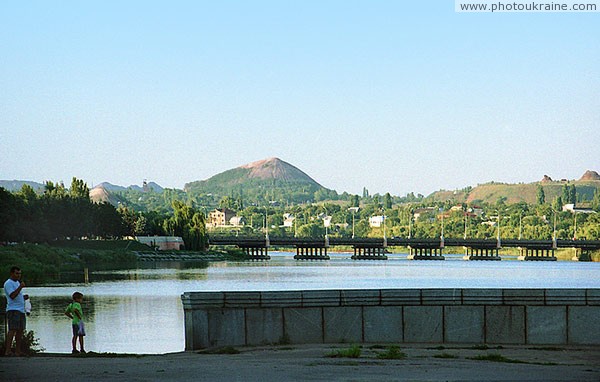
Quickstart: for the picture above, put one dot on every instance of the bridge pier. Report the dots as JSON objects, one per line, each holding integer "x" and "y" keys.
{"x": 425, "y": 253}
{"x": 369, "y": 253}
{"x": 311, "y": 253}
{"x": 257, "y": 253}
{"x": 536, "y": 254}
{"x": 478, "y": 253}
{"x": 581, "y": 254}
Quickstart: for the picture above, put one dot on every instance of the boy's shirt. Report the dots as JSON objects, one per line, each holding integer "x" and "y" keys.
{"x": 75, "y": 306}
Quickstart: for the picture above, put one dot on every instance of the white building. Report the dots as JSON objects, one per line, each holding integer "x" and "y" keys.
{"x": 571, "y": 208}
{"x": 288, "y": 220}
{"x": 376, "y": 221}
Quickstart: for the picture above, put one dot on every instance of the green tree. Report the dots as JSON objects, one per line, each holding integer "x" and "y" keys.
{"x": 540, "y": 195}
{"x": 79, "y": 189}
{"x": 387, "y": 201}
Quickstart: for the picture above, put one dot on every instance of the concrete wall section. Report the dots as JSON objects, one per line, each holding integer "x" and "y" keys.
{"x": 493, "y": 316}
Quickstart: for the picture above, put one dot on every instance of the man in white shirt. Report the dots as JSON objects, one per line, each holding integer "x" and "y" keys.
{"x": 15, "y": 311}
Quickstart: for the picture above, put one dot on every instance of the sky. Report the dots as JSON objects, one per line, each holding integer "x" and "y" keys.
{"x": 394, "y": 96}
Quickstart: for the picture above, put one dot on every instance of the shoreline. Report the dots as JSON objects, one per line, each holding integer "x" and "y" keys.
{"x": 314, "y": 362}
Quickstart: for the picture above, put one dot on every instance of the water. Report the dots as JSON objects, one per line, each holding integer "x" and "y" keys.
{"x": 140, "y": 311}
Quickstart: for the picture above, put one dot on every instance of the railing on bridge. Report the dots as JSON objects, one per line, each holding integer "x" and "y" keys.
{"x": 419, "y": 248}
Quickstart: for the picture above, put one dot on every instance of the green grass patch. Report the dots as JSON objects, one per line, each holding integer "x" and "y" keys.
{"x": 484, "y": 347}
{"x": 495, "y": 357}
{"x": 445, "y": 355}
{"x": 392, "y": 352}
{"x": 547, "y": 348}
{"x": 352, "y": 352}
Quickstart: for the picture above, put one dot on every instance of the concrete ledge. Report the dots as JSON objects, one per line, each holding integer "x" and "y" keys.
{"x": 321, "y": 298}
{"x": 241, "y": 299}
{"x": 482, "y": 297}
{"x": 401, "y": 297}
{"x": 360, "y": 297}
{"x": 523, "y": 296}
{"x": 441, "y": 297}
{"x": 565, "y": 297}
{"x": 283, "y": 299}
{"x": 593, "y": 296}
{"x": 492, "y": 316}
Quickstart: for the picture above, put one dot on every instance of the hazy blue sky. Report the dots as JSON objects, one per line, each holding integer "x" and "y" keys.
{"x": 396, "y": 96}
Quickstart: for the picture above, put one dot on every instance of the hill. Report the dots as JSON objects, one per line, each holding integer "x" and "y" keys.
{"x": 267, "y": 179}
{"x": 521, "y": 192}
{"x": 16, "y": 185}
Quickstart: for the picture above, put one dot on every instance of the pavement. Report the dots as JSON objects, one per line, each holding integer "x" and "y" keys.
{"x": 316, "y": 363}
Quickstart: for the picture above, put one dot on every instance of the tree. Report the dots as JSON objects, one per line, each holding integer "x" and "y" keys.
{"x": 572, "y": 194}
{"x": 387, "y": 201}
{"x": 79, "y": 189}
{"x": 540, "y": 196}
{"x": 354, "y": 201}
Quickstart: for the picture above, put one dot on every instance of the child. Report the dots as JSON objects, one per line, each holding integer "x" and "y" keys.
{"x": 27, "y": 304}
{"x": 75, "y": 313}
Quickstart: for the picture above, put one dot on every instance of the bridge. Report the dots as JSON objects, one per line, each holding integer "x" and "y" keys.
{"x": 419, "y": 248}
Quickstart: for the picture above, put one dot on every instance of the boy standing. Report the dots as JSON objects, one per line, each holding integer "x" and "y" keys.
{"x": 75, "y": 313}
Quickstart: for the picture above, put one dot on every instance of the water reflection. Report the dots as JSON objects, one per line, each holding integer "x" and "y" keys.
{"x": 113, "y": 324}
{"x": 140, "y": 311}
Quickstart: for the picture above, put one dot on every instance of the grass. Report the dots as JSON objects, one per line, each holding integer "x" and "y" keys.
{"x": 352, "y": 352}
{"x": 547, "y": 348}
{"x": 495, "y": 357}
{"x": 484, "y": 347}
{"x": 392, "y": 352}
{"x": 446, "y": 356}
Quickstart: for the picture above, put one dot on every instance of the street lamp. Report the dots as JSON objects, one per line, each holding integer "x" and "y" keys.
{"x": 520, "y": 225}
{"x": 498, "y": 234}
{"x": 326, "y": 224}
{"x": 442, "y": 235}
{"x": 353, "y": 210}
{"x": 575, "y": 225}
{"x": 266, "y": 223}
{"x": 466, "y": 214}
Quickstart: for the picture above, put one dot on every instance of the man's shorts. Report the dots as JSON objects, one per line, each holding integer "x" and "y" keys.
{"x": 16, "y": 320}
{"x": 78, "y": 329}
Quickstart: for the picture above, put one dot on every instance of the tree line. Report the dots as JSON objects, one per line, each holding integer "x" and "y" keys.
{"x": 59, "y": 213}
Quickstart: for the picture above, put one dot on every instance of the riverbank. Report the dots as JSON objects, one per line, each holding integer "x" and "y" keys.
{"x": 319, "y": 363}
{"x": 43, "y": 263}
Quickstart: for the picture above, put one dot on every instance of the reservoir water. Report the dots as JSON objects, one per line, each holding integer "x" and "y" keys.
{"x": 140, "y": 311}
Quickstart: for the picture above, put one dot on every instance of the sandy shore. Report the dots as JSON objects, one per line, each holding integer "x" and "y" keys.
{"x": 311, "y": 363}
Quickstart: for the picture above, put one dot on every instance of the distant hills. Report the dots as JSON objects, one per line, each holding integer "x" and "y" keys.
{"x": 267, "y": 171}
{"x": 267, "y": 179}
{"x": 521, "y": 192}
{"x": 273, "y": 179}
{"x": 16, "y": 185}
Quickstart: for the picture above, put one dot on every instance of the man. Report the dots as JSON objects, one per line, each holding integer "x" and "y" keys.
{"x": 15, "y": 310}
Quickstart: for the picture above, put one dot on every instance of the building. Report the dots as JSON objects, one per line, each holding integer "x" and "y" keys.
{"x": 288, "y": 220}
{"x": 237, "y": 221}
{"x": 220, "y": 217}
{"x": 571, "y": 208}
{"x": 419, "y": 212}
{"x": 162, "y": 243}
{"x": 376, "y": 221}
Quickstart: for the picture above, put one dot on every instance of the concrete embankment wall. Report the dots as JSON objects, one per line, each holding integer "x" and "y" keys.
{"x": 437, "y": 316}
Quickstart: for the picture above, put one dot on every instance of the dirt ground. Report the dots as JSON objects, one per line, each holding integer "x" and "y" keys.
{"x": 314, "y": 363}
